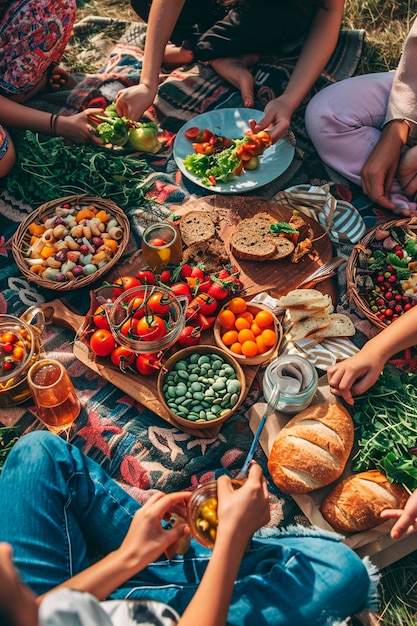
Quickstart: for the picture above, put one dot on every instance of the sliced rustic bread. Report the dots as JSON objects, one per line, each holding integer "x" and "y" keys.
{"x": 339, "y": 326}
{"x": 211, "y": 253}
{"x": 249, "y": 246}
{"x": 195, "y": 227}
{"x": 309, "y": 326}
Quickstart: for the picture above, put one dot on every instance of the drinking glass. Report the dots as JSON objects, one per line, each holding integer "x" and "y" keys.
{"x": 161, "y": 245}
{"x": 54, "y": 395}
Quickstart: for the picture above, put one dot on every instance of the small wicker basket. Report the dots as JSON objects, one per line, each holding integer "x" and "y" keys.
{"x": 22, "y": 237}
{"x": 352, "y": 265}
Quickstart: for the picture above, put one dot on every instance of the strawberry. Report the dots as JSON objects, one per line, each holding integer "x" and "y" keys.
{"x": 218, "y": 291}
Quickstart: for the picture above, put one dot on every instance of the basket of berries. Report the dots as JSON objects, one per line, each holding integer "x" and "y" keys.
{"x": 382, "y": 271}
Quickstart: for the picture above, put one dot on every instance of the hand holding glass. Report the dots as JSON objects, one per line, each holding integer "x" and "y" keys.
{"x": 54, "y": 395}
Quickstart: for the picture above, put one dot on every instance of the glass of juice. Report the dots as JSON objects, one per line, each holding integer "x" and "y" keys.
{"x": 54, "y": 395}
{"x": 161, "y": 245}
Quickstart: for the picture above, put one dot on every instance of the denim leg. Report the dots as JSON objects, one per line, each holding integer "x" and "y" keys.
{"x": 55, "y": 505}
{"x": 297, "y": 577}
{"x": 344, "y": 121}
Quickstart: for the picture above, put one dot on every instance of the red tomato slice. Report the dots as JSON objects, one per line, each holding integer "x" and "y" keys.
{"x": 192, "y": 133}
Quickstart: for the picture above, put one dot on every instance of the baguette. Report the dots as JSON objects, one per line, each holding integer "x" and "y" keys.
{"x": 311, "y": 451}
{"x": 355, "y": 504}
{"x": 196, "y": 227}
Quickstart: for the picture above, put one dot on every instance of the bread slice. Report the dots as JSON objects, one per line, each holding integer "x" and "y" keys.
{"x": 309, "y": 327}
{"x": 298, "y": 314}
{"x": 339, "y": 326}
{"x": 302, "y": 298}
{"x": 196, "y": 227}
{"x": 211, "y": 253}
{"x": 248, "y": 245}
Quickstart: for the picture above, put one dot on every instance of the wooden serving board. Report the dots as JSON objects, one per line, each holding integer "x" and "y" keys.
{"x": 279, "y": 276}
{"x": 141, "y": 388}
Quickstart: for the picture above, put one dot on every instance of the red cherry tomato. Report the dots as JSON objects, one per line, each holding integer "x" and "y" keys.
{"x": 147, "y": 364}
{"x": 129, "y": 328}
{"x": 189, "y": 336}
{"x": 124, "y": 283}
{"x": 150, "y": 327}
{"x": 181, "y": 289}
{"x": 137, "y": 308}
{"x": 158, "y": 303}
{"x": 102, "y": 342}
{"x": 100, "y": 318}
{"x": 146, "y": 277}
{"x": 192, "y": 133}
{"x": 122, "y": 358}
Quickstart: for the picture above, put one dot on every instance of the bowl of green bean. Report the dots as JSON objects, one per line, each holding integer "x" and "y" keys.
{"x": 201, "y": 386}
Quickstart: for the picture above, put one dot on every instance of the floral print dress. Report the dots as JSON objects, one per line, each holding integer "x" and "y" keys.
{"x": 33, "y": 35}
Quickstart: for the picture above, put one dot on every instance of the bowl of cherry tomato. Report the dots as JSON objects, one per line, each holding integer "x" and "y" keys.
{"x": 147, "y": 319}
{"x": 250, "y": 332}
{"x": 20, "y": 347}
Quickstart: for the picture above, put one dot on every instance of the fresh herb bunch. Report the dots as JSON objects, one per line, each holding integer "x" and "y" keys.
{"x": 8, "y": 437}
{"x": 386, "y": 428}
{"x": 50, "y": 169}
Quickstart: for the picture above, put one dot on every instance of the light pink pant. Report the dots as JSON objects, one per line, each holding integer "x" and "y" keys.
{"x": 344, "y": 123}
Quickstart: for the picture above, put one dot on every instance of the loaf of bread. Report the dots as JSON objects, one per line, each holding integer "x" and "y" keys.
{"x": 195, "y": 227}
{"x": 312, "y": 449}
{"x": 355, "y": 504}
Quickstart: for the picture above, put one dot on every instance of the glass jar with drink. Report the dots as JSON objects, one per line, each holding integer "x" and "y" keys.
{"x": 54, "y": 395}
{"x": 161, "y": 245}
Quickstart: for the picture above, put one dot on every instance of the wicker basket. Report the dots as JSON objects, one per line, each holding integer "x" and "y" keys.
{"x": 22, "y": 238}
{"x": 352, "y": 264}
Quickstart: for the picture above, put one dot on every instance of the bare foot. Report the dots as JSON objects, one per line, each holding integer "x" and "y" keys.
{"x": 58, "y": 78}
{"x": 175, "y": 56}
{"x": 236, "y": 71}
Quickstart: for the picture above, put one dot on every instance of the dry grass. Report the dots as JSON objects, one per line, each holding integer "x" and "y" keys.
{"x": 386, "y": 24}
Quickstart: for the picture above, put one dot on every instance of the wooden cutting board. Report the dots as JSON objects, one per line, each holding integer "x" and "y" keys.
{"x": 141, "y": 388}
{"x": 279, "y": 276}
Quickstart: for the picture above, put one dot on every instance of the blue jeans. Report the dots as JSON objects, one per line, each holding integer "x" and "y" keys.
{"x": 58, "y": 507}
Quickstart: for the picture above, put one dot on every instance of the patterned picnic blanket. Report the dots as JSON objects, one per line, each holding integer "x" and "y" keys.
{"x": 135, "y": 446}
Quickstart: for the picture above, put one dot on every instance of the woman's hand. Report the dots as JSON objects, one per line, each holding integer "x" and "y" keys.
{"x": 277, "y": 118}
{"x": 146, "y": 538}
{"x": 132, "y": 102}
{"x": 354, "y": 375}
{"x": 78, "y": 128}
{"x": 242, "y": 511}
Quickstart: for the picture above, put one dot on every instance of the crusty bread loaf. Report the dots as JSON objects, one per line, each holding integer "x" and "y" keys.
{"x": 195, "y": 227}
{"x": 355, "y": 504}
{"x": 312, "y": 449}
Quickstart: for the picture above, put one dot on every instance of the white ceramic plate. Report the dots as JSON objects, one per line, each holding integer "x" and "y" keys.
{"x": 233, "y": 123}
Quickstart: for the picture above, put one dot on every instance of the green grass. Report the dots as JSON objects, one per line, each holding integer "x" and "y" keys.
{"x": 386, "y": 24}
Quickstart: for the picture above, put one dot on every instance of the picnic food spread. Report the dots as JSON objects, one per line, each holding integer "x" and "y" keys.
{"x": 159, "y": 327}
